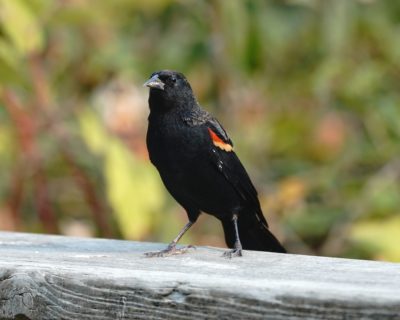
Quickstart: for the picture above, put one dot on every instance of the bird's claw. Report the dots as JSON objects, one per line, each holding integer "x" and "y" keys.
{"x": 169, "y": 251}
{"x": 233, "y": 253}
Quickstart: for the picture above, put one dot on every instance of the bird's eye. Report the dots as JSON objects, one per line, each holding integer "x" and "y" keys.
{"x": 173, "y": 80}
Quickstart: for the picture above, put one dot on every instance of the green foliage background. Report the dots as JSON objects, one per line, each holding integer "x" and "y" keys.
{"x": 308, "y": 90}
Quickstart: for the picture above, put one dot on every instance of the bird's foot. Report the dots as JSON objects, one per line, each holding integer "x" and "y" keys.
{"x": 237, "y": 252}
{"x": 169, "y": 251}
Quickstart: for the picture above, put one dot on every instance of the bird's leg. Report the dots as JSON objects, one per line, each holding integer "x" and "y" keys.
{"x": 171, "y": 249}
{"x": 237, "y": 248}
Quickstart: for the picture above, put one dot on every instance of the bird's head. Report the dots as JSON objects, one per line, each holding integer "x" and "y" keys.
{"x": 169, "y": 89}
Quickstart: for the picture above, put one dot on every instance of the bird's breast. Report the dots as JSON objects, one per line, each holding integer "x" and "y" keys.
{"x": 174, "y": 146}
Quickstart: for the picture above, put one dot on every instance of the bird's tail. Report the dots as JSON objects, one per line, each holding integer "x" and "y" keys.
{"x": 253, "y": 233}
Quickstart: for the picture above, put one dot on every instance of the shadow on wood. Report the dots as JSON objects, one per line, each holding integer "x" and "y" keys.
{"x": 54, "y": 277}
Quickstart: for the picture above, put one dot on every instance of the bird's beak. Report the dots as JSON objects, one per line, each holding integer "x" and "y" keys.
{"x": 155, "y": 83}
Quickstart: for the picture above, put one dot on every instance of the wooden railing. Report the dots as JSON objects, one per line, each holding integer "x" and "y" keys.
{"x": 54, "y": 277}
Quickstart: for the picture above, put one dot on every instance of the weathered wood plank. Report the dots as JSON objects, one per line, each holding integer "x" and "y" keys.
{"x": 52, "y": 277}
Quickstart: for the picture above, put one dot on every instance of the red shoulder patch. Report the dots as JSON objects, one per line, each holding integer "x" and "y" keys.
{"x": 218, "y": 142}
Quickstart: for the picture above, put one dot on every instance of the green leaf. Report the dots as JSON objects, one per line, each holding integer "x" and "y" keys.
{"x": 92, "y": 132}
{"x": 383, "y": 235}
{"x": 21, "y": 26}
{"x": 11, "y": 71}
{"x": 134, "y": 189}
{"x": 8, "y": 54}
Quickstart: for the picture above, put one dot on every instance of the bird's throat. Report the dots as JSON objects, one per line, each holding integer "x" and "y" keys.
{"x": 160, "y": 102}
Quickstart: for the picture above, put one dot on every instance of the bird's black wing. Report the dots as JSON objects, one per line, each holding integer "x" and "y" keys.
{"x": 228, "y": 163}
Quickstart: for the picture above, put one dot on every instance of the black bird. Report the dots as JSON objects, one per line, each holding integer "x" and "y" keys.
{"x": 198, "y": 165}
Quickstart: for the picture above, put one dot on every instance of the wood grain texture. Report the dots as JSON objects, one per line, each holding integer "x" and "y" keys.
{"x": 53, "y": 277}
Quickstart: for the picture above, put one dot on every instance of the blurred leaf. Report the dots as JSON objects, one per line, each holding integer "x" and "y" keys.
{"x": 383, "y": 195}
{"x": 366, "y": 78}
{"x": 336, "y": 28}
{"x": 7, "y": 152}
{"x": 291, "y": 191}
{"x": 93, "y": 132}
{"x": 8, "y": 54}
{"x": 134, "y": 191}
{"x": 21, "y": 26}
{"x": 382, "y": 235}
{"x": 10, "y": 64}
{"x": 313, "y": 226}
{"x": 6, "y": 142}
{"x": 133, "y": 187}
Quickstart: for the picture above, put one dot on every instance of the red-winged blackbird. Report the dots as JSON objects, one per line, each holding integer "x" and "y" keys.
{"x": 197, "y": 163}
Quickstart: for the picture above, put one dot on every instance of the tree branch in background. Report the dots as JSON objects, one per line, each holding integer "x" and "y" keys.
{"x": 26, "y": 130}
{"x": 43, "y": 104}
